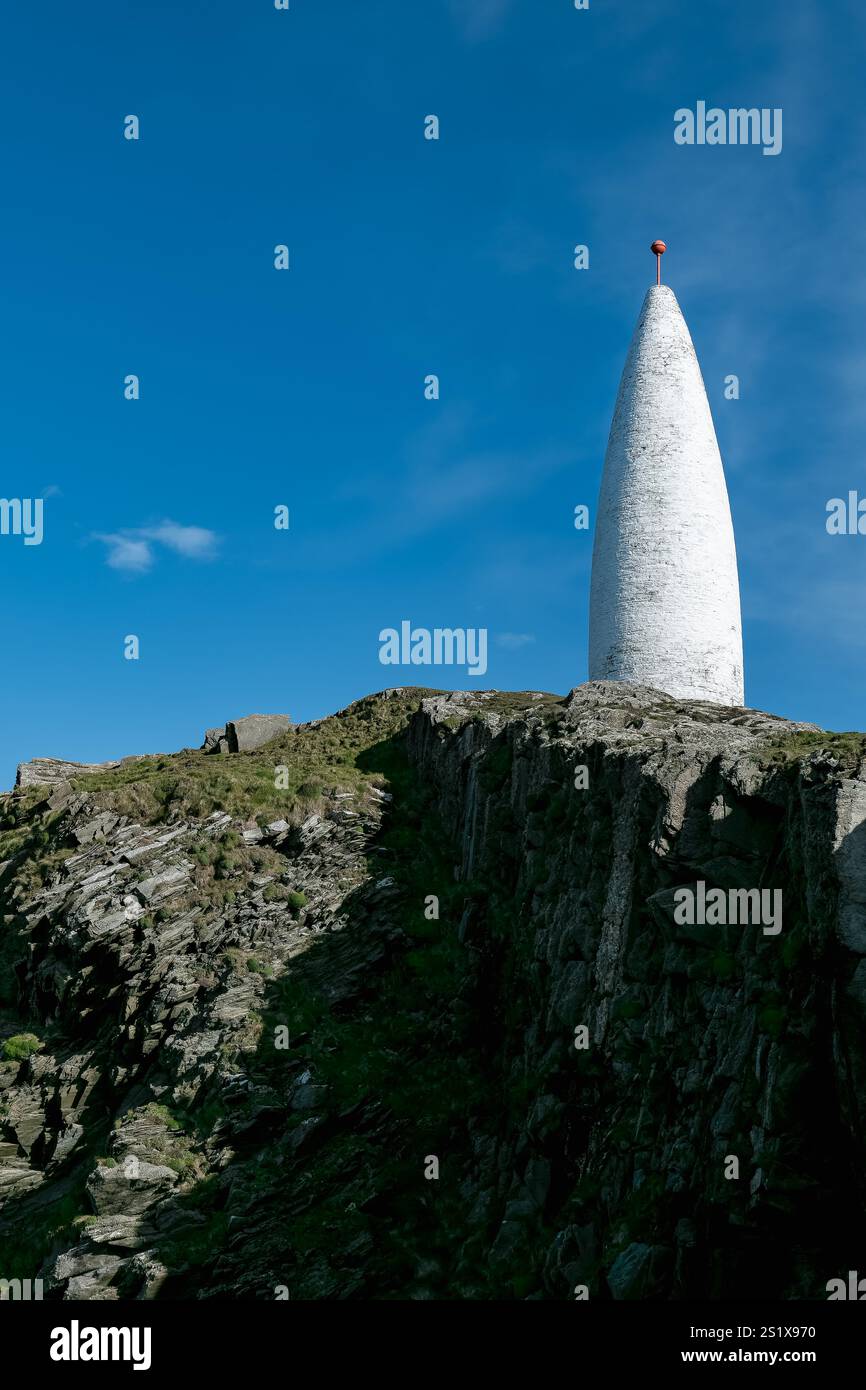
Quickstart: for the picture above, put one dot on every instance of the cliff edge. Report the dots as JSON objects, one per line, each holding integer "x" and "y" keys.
{"x": 465, "y": 996}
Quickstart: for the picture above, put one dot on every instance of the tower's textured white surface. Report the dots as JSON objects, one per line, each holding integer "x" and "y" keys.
{"x": 665, "y": 598}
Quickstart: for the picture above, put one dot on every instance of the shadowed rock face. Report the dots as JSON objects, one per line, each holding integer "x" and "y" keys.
{"x": 252, "y": 1041}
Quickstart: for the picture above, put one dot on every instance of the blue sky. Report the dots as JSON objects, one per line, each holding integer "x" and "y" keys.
{"x": 408, "y": 257}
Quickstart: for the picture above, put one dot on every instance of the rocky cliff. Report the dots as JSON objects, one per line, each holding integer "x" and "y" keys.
{"x": 403, "y": 1005}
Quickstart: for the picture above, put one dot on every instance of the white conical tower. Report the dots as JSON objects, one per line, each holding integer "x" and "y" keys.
{"x": 665, "y": 598}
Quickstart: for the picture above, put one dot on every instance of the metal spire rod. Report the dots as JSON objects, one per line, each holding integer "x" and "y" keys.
{"x": 659, "y": 248}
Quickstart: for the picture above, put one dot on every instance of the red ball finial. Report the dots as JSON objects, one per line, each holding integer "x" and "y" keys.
{"x": 659, "y": 248}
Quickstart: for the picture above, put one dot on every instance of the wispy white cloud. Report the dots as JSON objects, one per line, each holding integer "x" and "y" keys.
{"x": 195, "y": 542}
{"x": 478, "y": 19}
{"x": 126, "y": 553}
{"x": 442, "y": 477}
{"x": 513, "y": 641}
{"x": 134, "y": 550}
